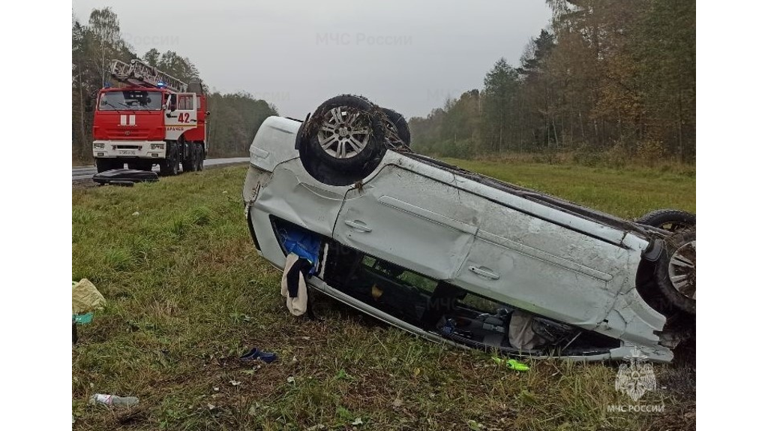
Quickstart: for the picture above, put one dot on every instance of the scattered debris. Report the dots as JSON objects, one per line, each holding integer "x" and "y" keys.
{"x": 124, "y": 177}
{"x": 234, "y": 383}
{"x": 135, "y": 213}
{"x": 85, "y": 299}
{"x": 255, "y": 354}
{"x": 291, "y": 380}
{"x": 512, "y": 364}
{"x": 113, "y": 400}
{"x": 358, "y": 421}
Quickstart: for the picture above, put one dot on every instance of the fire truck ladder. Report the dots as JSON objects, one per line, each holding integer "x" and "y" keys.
{"x": 140, "y": 73}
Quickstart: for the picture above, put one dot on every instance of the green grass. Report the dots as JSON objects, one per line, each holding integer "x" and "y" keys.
{"x": 629, "y": 192}
{"x": 187, "y": 294}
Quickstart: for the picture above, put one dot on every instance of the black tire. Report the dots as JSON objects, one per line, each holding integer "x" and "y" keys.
{"x": 200, "y": 157}
{"x": 398, "y": 132}
{"x": 329, "y": 135}
{"x": 188, "y": 162}
{"x": 669, "y": 219}
{"x": 141, "y": 165}
{"x": 170, "y": 166}
{"x": 103, "y": 165}
{"x": 678, "y": 260}
{"x": 188, "y": 165}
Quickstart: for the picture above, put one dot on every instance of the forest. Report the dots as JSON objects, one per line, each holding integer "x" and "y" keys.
{"x": 234, "y": 117}
{"x": 611, "y": 79}
{"x": 607, "y": 80}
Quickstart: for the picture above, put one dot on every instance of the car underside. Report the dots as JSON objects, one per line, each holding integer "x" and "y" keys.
{"x": 460, "y": 258}
{"x": 440, "y": 309}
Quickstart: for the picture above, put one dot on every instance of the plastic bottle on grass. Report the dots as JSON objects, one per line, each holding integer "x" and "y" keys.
{"x": 113, "y": 400}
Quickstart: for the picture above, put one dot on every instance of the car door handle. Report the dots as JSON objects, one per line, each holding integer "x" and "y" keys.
{"x": 484, "y": 272}
{"x": 357, "y": 225}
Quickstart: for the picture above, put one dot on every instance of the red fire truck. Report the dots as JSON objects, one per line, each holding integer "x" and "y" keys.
{"x": 152, "y": 118}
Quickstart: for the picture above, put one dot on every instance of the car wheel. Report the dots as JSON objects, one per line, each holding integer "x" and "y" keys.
{"x": 398, "y": 132}
{"x": 346, "y": 133}
{"x": 668, "y": 219}
{"x": 675, "y": 272}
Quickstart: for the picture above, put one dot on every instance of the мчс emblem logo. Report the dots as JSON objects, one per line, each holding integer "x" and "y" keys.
{"x": 636, "y": 377}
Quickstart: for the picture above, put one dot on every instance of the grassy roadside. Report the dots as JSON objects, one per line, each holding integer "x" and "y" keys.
{"x": 187, "y": 294}
{"x": 626, "y": 192}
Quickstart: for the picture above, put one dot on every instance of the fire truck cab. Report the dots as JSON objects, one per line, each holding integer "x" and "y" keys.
{"x": 152, "y": 119}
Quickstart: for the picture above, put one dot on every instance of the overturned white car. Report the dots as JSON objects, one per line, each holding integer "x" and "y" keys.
{"x": 458, "y": 257}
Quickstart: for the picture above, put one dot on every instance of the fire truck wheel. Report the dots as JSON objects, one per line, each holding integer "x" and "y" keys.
{"x": 187, "y": 151}
{"x": 200, "y": 157}
{"x": 141, "y": 166}
{"x": 105, "y": 165}
{"x": 188, "y": 164}
{"x": 170, "y": 166}
{"x": 173, "y": 168}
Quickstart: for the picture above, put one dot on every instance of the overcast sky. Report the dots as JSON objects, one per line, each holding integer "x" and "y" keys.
{"x": 405, "y": 55}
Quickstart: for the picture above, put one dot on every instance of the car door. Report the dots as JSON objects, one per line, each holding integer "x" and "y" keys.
{"x": 420, "y": 223}
{"x": 544, "y": 267}
{"x": 181, "y": 114}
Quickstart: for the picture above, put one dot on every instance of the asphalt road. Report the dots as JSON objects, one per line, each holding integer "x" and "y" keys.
{"x": 86, "y": 172}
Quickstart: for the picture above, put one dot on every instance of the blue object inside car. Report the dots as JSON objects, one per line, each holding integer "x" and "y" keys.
{"x": 302, "y": 243}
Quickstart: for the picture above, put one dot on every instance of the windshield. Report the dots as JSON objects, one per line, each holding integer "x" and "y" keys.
{"x": 136, "y": 100}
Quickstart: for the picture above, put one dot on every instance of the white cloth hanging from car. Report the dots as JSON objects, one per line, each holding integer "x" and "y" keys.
{"x": 521, "y": 334}
{"x": 293, "y": 286}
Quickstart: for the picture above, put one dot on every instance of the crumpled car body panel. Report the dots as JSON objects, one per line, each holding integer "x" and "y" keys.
{"x": 517, "y": 247}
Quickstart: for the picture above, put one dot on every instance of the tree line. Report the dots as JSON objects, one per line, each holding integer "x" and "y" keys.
{"x": 234, "y": 117}
{"x": 606, "y": 76}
